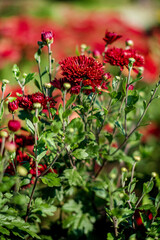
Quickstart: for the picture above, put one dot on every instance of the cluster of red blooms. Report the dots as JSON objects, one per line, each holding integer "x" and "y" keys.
{"x": 120, "y": 57}
{"x": 81, "y": 71}
{"x": 27, "y": 102}
{"x": 22, "y": 158}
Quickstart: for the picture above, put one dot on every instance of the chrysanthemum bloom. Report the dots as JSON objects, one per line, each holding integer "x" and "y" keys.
{"x": 131, "y": 53}
{"x": 25, "y": 102}
{"x": 111, "y": 37}
{"x": 82, "y": 71}
{"x": 23, "y": 141}
{"x": 120, "y": 57}
{"x": 14, "y": 125}
{"x": 13, "y": 106}
{"x": 47, "y": 37}
{"x": 39, "y": 98}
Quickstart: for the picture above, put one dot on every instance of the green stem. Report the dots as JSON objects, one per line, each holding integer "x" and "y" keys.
{"x": 35, "y": 138}
{"x": 35, "y": 183}
{"x": 128, "y": 80}
{"x": 50, "y": 62}
{"x": 39, "y": 71}
{"x": 139, "y": 121}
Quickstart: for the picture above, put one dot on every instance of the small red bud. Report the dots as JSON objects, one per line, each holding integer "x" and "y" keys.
{"x": 14, "y": 125}
{"x": 47, "y": 37}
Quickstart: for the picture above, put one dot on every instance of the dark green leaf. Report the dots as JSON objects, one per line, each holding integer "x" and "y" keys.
{"x": 71, "y": 100}
{"x": 29, "y": 78}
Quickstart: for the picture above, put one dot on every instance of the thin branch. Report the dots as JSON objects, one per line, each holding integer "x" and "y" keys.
{"x": 139, "y": 121}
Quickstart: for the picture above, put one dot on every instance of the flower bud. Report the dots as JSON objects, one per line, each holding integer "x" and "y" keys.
{"x": 22, "y": 171}
{"x": 14, "y": 125}
{"x": 141, "y": 70}
{"x": 47, "y": 37}
{"x": 132, "y": 60}
{"x": 117, "y": 78}
{"x": 13, "y": 106}
{"x": 96, "y": 54}
{"x": 129, "y": 43}
{"x": 71, "y": 130}
{"x": 83, "y": 46}
{"x": 5, "y": 81}
{"x": 123, "y": 169}
{"x": 24, "y": 75}
{"x": 154, "y": 174}
{"x": 37, "y": 105}
{"x": 4, "y": 134}
{"x": 131, "y": 87}
{"x": 137, "y": 158}
{"x": 67, "y": 86}
{"x": 10, "y": 146}
{"x": 48, "y": 85}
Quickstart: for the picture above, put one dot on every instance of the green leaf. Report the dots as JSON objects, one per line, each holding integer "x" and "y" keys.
{"x": 60, "y": 112}
{"x": 105, "y": 110}
{"x": 30, "y": 125}
{"x": 74, "y": 178}
{"x": 77, "y": 51}
{"x": 1, "y": 113}
{"x": 72, "y": 206}
{"x": 131, "y": 100}
{"x": 40, "y": 156}
{"x": 29, "y": 78}
{"x": 157, "y": 200}
{"x": 117, "y": 123}
{"x": 80, "y": 154}
{"x": 4, "y": 231}
{"x": 74, "y": 131}
{"x": 147, "y": 187}
{"x": 37, "y": 84}
{"x": 51, "y": 179}
{"x": 110, "y": 236}
{"x": 23, "y": 114}
{"x": 71, "y": 100}
{"x": 67, "y": 113}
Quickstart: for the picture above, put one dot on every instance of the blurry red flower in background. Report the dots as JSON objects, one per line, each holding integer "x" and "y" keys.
{"x": 111, "y": 37}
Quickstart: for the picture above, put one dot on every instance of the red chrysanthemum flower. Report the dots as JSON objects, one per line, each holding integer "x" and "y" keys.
{"x": 120, "y": 57}
{"x": 23, "y": 141}
{"x": 82, "y": 71}
{"x": 13, "y": 106}
{"x": 131, "y": 53}
{"x": 116, "y": 57}
{"x": 111, "y": 37}
{"x": 25, "y": 102}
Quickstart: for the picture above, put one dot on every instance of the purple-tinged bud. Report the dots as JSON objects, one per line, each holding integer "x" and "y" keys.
{"x": 47, "y": 37}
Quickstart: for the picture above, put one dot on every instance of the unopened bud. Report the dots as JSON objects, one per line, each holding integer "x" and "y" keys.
{"x": 141, "y": 70}
{"x": 129, "y": 43}
{"x": 22, "y": 171}
{"x": 24, "y": 75}
{"x": 96, "y": 54}
{"x": 132, "y": 60}
{"x": 123, "y": 169}
{"x": 117, "y": 78}
{"x": 154, "y": 174}
{"x": 67, "y": 86}
{"x": 4, "y": 134}
{"x": 37, "y": 105}
{"x": 83, "y": 46}
{"x": 137, "y": 158}
{"x": 48, "y": 85}
{"x": 71, "y": 130}
{"x": 5, "y": 81}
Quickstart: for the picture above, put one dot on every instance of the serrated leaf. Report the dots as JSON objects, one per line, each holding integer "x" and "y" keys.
{"x": 51, "y": 180}
{"x": 74, "y": 178}
{"x": 80, "y": 154}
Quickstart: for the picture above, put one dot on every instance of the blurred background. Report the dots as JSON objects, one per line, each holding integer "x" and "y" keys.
{"x": 75, "y": 22}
